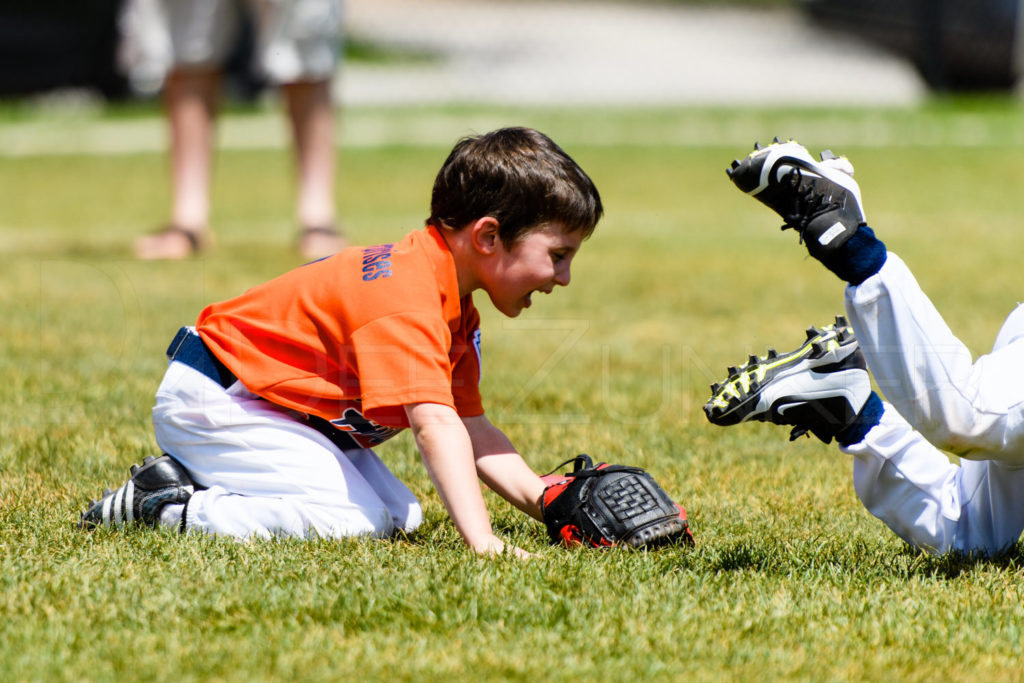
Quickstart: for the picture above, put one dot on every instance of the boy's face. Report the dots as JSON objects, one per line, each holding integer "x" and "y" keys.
{"x": 536, "y": 263}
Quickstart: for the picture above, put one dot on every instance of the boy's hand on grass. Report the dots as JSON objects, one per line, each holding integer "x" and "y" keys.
{"x": 492, "y": 545}
{"x": 447, "y": 454}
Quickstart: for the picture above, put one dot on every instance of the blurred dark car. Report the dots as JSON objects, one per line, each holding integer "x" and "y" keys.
{"x": 956, "y": 45}
{"x": 50, "y": 44}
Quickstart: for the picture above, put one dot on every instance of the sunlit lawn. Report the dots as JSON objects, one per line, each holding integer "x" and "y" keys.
{"x": 790, "y": 578}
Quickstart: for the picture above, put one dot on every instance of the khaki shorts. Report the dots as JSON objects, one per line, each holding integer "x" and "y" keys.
{"x": 296, "y": 40}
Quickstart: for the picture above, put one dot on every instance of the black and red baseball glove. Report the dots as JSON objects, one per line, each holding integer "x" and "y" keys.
{"x": 608, "y": 505}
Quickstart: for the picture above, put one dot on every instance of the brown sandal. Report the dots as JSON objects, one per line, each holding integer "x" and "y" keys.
{"x": 169, "y": 244}
{"x": 320, "y": 242}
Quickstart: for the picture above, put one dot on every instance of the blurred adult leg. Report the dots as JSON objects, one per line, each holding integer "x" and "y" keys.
{"x": 201, "y": 33}
{"x": 311, "y": 114}
{"x": 191, "y": 97}
{"x": 299, "y": 48}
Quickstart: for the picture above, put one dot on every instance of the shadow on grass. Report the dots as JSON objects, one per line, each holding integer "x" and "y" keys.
{"x": 854, "y": 558}
{"x": 955, "y": 564}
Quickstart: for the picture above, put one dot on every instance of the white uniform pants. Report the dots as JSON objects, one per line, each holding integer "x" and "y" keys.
{"x": 939, "y": 398}
{"x": 265, "y": 473}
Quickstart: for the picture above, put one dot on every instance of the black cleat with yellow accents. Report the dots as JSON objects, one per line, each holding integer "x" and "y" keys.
{"x": 819, "y": 388}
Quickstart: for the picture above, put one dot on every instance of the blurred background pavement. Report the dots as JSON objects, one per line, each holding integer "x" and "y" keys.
{"x": 411, "y": 55}
{"x": 564, "y": 52}
{"x": 608, "y": 53}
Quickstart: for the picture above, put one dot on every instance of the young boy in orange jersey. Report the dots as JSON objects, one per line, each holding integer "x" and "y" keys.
{"x": 272, "y": 402}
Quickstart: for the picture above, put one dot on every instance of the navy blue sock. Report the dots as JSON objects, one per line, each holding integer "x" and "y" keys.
{"x": 862, "y": 256}
{"x": 868, "y": 417}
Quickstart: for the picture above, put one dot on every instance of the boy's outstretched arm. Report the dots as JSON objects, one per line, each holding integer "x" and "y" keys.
{"x": 447, "y": 452}
{"x": 501, "y": 467}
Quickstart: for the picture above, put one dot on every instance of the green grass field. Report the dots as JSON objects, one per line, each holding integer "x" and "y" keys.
{"x": 790, "y": 579}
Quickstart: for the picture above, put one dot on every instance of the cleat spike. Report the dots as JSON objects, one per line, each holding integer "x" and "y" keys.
{"x": 798, "y": 432}
{"x": 812, "y": 332}
{"x": 827, "y": 154}
{"x": 757, "y": 146}
{"x": 715, "y": 386}
{"x": 772, "y": 354}
{"x": 841, "y": 321}
{"x": 733, "y": 371}
{"x": 735, "y": 163}
{"x": 776, "y": 140}
{"x": 817, "y": 349}
{"x": 107, "y": 492}
{"x": 148, "y": 459}
{"x": 133, "y": 469}
{"x": 753, "y": 360}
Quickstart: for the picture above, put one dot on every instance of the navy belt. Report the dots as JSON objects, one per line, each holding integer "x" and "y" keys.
{"x": 187, "y": 347}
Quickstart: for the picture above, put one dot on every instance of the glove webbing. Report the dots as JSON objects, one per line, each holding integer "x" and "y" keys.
{"x": 584, "y": 467}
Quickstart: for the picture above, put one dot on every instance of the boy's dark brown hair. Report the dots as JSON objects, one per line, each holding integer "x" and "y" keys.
{"x": 519, "y": 177}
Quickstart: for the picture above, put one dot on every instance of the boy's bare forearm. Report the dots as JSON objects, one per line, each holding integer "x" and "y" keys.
{"x": 501, "y": 467}
{"x": 448, "y": 456}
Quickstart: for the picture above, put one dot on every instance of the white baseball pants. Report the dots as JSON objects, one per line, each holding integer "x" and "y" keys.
{"x": 939, "y": 398}
{"x": 265, "y": 473}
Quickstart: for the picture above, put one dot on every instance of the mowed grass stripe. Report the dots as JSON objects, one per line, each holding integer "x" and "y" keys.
{"x": 985, "y": 123}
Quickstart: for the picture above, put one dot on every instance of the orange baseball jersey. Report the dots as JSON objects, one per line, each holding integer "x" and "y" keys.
{"x": 355, "y": 337}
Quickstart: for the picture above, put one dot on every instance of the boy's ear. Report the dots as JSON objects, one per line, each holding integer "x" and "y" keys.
{"x": 484, "y": 234}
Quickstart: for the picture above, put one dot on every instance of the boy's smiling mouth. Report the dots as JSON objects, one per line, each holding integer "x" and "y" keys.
{"x": 528, "y": 299}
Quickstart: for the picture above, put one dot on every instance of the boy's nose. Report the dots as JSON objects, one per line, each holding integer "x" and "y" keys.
{"x": 562, "y": 276}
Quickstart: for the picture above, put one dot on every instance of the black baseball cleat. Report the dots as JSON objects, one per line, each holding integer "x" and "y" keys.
{"x": 818, "y": 388}
{"x": 818, "y": 199}
{"x": 156, "y": 483}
